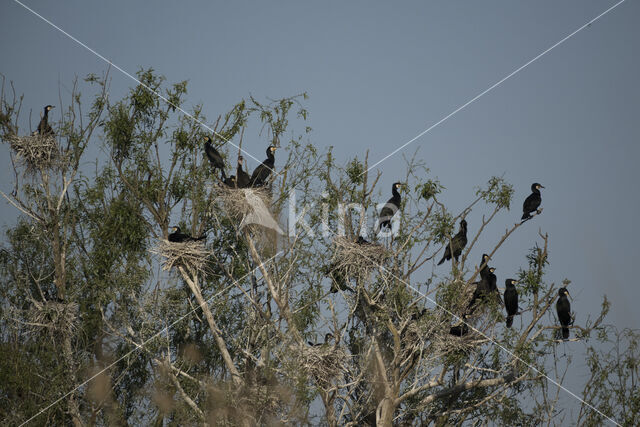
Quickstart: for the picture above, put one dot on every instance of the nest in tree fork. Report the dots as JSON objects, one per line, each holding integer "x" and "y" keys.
{"x": 36, "y": 151}
{"x": 192, "y": 254}
{"x": 357, "y": 260}
{"x": 235, "y": 200}
{"x": 323, "y": 362}
{"x": 55, "y": 316}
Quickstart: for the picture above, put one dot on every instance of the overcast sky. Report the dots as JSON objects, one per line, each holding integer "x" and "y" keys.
{"x": 378, "y": 74}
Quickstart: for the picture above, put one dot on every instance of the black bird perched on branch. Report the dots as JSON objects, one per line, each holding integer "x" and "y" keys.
{"x": 261, "y": 173}
{"x": 44, "y": 128}
{"x": 510, "y": 300}
{"x": 532, "y": 203}
{"x": 563, "y": 307}
{"x": 458, "y": 243}
{"x": 485, "y": 288}
{"x": 390, "y": 208}
{"x": 214, "y": 156}
{"x": 243, "y": 178}
{"x": 178, "y": 236}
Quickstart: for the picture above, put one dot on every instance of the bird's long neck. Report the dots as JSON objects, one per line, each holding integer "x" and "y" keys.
{"x": 270, "y": 157}
{"x": 396, "y": 195}
{"x": 535, "y": 190}
{"x": 46, "y": 114}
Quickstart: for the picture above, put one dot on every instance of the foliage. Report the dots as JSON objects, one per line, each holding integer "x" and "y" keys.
{"x": 234, "y": 335}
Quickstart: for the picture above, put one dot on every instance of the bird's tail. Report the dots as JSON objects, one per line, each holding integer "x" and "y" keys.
{"x": 509, "y": 321}
{"x": 565, "y": 333}
{"x": 525, "y": 216}
{"x": 442, "y": 260}
{"x": 224, "y": 175}
{"x": 204, "y": 236}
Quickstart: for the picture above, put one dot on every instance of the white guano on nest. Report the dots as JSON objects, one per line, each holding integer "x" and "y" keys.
{"x": 358, "y": 260}
{"x": 36, "y": 151}
{"x": 251, "y": 205}
{"x": 192, "y": 254}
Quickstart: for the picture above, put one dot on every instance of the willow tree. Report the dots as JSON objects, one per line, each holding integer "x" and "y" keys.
{"x": 231, "y": 330}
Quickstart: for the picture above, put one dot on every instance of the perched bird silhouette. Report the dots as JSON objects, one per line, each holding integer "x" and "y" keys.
{"x": 510, "y": 300}
{"x": 214, "y": 156}
{"x": 563, "y": 307}
{"x": 458, "y": 243}
{"x": 532, "y": 203}
{"x": 178, "y": 236}
{"x": 390, "y": 208}
{"x": 44, "y": 128}
{"x": 261, "y": 174}
{"x": 243, "y": 178}
{"x": 484, "y": 289}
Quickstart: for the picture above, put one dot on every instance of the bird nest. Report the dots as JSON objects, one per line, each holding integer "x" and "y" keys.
{"x": 36, "y": 151}
{"x": 323, "y": 362}
{"x": 237, "y": 200}
{"x": 192, "y": 254}
{"x": 54, "y": 316}
{"x": 358, "y": 260}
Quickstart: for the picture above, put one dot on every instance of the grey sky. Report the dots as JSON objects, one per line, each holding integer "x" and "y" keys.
{"x": 378, "y": 73}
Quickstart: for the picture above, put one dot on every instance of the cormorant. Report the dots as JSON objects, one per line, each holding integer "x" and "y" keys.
{"x": 458, "y": 243}
{"x": 214, "y": 156}
{"x": 510, "y": 300}
{"x": 532, "y": 203}
{"x": 390, "y": 208}
{"x": 230, "y": 181}
{"x": 261, "y": 173}
{"x": 563, "y": 307}
{"x": 178, "y": 237}
{"x": 243, "y": 178}
{"x": 44, "y": 128}
{"x": 327, "y": 337}
{"x": 484, "y": 288}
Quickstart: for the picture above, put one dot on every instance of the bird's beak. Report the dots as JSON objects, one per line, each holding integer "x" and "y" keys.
{"x": 542, "y": 186}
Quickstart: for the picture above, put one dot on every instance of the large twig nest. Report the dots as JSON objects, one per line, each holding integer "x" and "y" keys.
{"x": 192, "y": 254}
{"x": 250, "y": 206}
{"x": 36, "y": 151}
{"x": 323, "y": 362}
{"x": 358, "y": 260}
{"x": 55, "y": 316}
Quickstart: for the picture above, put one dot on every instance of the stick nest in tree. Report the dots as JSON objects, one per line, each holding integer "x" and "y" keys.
{"x": 323, "y": 362}
{"x": 191, "y": 255}
{"x": 36, "y": 151}
{"x": 357, "y": 260}
{"x": 235, "y": 199}
{"x": 56, "y": 316}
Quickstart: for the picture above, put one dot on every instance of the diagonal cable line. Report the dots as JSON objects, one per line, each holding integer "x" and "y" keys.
{"x": 148, "y": 340}
{"x": 503, "y": 348}
{"x": 132, "y": 77}
{"x": 495, "y": 85}
{"x": 491, "y": 340}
